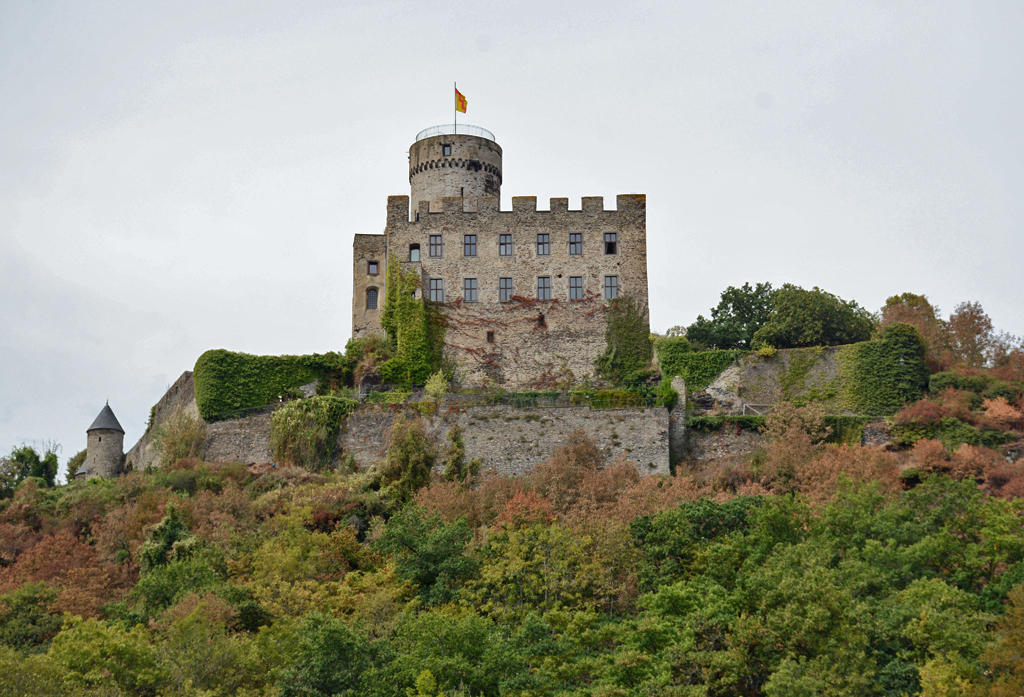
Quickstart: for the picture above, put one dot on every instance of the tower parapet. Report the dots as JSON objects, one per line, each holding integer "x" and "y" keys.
{"x": 444, "y": 163}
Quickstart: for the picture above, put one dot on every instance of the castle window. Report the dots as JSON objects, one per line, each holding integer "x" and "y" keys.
{"x": 611, "y": 287}
{"x": 469, "y": 289}
{"x": 435, "y": 245}
{"x": 543, "y": 244}
{"x": 371, "y": 299}
{"x": 372, "y": 268}
{"x": 504, "y": 289}
{"x": 469, "y": 245}
{"x": 490, "y": 337}
{"x": 544, "y": 287}
{"x": 575, "y": 243}
{"x": 505, "y": 245}
{"x": 575, "y": 287}
{"x": 446, "y": 150}
{"x": 611, "y": 244}
{"x": 414, "y": 252}
{"x": 437, "y": 290}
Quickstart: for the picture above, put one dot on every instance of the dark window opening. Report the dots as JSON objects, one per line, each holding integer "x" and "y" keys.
{"x": 505, "y": 245}
{"x": 504, "y": 289}
{"x": 469, "y": 290}
{"x": 414, "y": 252}
{"x": 469, "y": 245}
{"x": 543, "y": 244}
{"x": 611, "y": 244}
{"x": 490, "y": 337}
{"x": 544, "y": 287}
{"x": 575, "y": 243}
{"x": 435, "y": 245}
{"x": 611, "y": 287}
{"x": 437, "y": 290}
{"x": 372, "y": 268}
{"x": 446, "y": 150}
{"x": 371, "y": 299}
{"x": 575, "y": 287}
{"x": 541, "y": 322}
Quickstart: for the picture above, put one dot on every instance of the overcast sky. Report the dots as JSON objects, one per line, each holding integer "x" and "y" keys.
{"x": 182, "y": 176}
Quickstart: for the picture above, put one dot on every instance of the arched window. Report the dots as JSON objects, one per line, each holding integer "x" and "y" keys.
{"x": 371, "y": 299}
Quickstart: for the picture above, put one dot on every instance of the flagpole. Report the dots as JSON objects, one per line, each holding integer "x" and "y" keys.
{"x": 456, "y": 96}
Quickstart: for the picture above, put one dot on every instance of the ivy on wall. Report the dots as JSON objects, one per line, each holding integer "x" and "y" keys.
{"x": 698, "y": 369}
{"x": 629, "y": 347}
{"x": 415, "y": 326}
{"x": 304, "y": 433}
{"x": 227, "y": 381}
{"x": 881, "y": 376}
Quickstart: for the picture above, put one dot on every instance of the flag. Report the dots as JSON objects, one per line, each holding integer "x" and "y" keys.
{"x": 460, "y": 101}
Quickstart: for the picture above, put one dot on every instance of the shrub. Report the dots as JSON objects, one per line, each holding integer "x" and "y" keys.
{"x": 304, "y": 433}
{"x": 180, "y": 436}
{"x": 410, "y": 458}
{"x": 437, "y": 386}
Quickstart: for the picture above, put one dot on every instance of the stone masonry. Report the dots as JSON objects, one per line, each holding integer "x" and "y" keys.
{"x": 524, "y": 290}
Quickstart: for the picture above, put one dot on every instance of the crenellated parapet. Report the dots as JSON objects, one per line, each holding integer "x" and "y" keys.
{"x": 399, "y": 213}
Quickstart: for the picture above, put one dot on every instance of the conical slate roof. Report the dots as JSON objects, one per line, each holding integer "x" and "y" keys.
{"x": 106, "y": 420}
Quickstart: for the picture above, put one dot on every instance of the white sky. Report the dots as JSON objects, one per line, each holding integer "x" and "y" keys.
{"x": 182, "y": 176}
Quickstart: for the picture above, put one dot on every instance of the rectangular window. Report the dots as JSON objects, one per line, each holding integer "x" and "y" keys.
{"x": 437, "y": 290}
{"x": 469, "y": 290}
{"x": 435, "y": 245}
{"x": 611, "y": 287}
{"x": 469, "y": 245}
{"x": 490, "y": 337}
{"x": 414, "y": 252}
{"x": 371, "y": 299}
{"x": 446, "y": 151}
{"x": 543, "y": 244}
{"x": 575, "y": 287}
{"x": 611, "y": 244}
{"x": 575, "y": 243}
{"x": 544, "y": 288}
{"x": 372, "y": 268}
{"x": 504, "y": 289}
{"x": 505, "y": 245}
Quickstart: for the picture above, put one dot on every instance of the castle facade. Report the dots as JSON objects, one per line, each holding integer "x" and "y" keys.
{"x": 523, "y": 290}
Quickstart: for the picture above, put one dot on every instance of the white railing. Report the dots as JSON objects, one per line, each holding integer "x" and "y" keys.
{"x": 462, "y": 129}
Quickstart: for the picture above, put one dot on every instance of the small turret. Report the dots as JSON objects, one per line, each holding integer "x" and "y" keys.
{"x": 105, "y": 450}
{"x": 449, "y": 162}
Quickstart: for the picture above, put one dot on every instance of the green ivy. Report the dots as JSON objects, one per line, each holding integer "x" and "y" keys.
{"x": 881, "y": 376}
{"x": 699, "y": 369}
{"x": 304, "y": 433}
{"x": 227, "y": 381}
{"x": 629, "y": 346}
{"x": 415, "y": 326}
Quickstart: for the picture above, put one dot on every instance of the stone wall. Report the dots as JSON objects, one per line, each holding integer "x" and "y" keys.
{"x": 239, "y": 440}
{"x": 522, "y": 342}
{"x": 179, "y": 396}
{"x": 722, "y": 443}
{"x": 513, "y": 440}
{"x": 104, "y": 454}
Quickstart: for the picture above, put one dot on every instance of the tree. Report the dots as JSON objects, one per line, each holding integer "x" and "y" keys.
{"x": 739, "y": 314}
{"x": 329, "y": 661}
{"x": 970, "y": 335}
{"x": 410, "y": 458}
{"x": 916, "y": 310}
{"x": 75, "y": 463}
{"x": 26, "y": 462}
{"x": 813, "y": 318}
{"x": 94, "y": 653}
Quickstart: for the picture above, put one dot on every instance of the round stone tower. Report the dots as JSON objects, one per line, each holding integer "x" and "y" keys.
{"x": 443, "y": 162}
{"x": 105, "y": 450}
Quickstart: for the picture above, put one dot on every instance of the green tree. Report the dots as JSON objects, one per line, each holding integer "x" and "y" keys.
{"x": 329, "y": 660}
{"x": 739, "y": 314}
{"x": 429, "y": 552}
{"x": 93, "y": 654}
{"x": 813, "y": 318}
{"x": 26, "y": 618}
{"x": 26, "y": 462}
{"x": 167, "y": 539}
{"x": 410, "y": 458}
{"x": 75, "y": 463}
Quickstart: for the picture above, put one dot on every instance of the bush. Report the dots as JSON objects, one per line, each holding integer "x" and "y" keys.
{"x": 881, "y": 376}
{"x": 304, "y": 433}
{"x": 180, "y": 436}
{"x": 227, "y": 382}
{"x": 629, "y": 346}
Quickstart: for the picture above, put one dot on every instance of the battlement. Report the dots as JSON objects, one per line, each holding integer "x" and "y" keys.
{"x": 398, "y": 207}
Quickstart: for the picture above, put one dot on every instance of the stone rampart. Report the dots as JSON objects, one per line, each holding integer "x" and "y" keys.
{"x": 179, "y": 396}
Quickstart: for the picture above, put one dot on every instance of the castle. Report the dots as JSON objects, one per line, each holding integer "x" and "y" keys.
{"x": 523, "y": 290}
